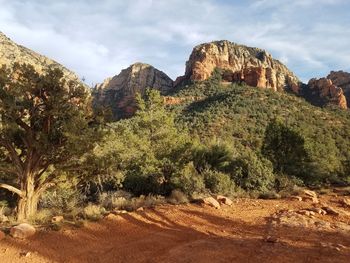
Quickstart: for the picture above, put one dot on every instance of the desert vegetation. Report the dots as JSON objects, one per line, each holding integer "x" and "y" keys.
{"x": 61, "y": 156}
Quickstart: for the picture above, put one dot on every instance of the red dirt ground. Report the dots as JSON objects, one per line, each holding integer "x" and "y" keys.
{"x": 187, "y": 233}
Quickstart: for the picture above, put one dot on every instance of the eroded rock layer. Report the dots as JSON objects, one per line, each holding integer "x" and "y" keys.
{"x": 119, "y": 92}
{"x": 324, "y": 92}
{"x": 239, "y": 63}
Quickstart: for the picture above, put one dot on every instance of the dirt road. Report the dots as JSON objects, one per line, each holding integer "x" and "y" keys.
{"x": 188, "y": 233}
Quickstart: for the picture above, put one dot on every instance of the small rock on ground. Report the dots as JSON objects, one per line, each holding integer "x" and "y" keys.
{"x": 22, "y": 231}
{"x": 224, "y": 200}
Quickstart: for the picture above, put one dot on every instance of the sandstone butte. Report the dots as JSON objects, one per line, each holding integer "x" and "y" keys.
{"x": 238, "y": 63}
{"x": 119, "y": 92}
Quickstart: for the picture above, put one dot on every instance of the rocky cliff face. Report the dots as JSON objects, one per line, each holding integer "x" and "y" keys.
{"x": 342, "y": 80}
{"x": 239, "y": 63}
{"x": 119, "y": 92}
{"x": 11, "y": 53}
{"x": 323, "y": 91}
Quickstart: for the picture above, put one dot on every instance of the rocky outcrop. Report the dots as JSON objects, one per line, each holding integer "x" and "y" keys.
{"x": 342, "y": 80}
{"x": 119, "y": 92}
{"x": 324, "y": 92}
{"x": 239, "y": 63}
{"x": 11, "y": 53}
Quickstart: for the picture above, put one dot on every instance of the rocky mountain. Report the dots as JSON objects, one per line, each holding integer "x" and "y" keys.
{"x": 10, "y": 53}
{"x": 119, "y": 92}
{"x": 239, "y": 63}
{"x": 324, "y": 91}
{"x": 342, "y": 80}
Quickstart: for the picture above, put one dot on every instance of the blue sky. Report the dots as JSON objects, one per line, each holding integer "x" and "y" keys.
{"x": 97, "y": 39}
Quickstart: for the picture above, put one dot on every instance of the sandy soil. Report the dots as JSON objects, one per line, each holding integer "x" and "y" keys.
{"x": 188, "y": 233}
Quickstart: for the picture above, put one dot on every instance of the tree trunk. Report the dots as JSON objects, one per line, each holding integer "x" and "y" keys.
{"x": 28, "y": 203}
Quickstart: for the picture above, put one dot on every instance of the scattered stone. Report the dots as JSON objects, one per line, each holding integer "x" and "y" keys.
{"x": 25, "y": 254}
{"x": 301, "y": 219}
{"x": 57, "y": 219}
{"x": 318, "y": 210}
{"x": 309, "y": 193}
{"x": 345, "y": 202}
{"x": 140, "y": 209}
{"x": 314, "y": 200}
{"x": 304, "y": 212}
{"x": 296, "y": 198}
{"x": 211, "y": 202}
{"x": 330, "y": 210}
{"x": 341, "y": 246}
{"x": 224, "y": 200}
{"x": 22, "y": 231}
{"x": 2, "y": 235}
{"x": 271, "y": 239}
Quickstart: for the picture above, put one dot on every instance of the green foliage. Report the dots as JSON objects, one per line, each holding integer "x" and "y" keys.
{"x": 252, "y": 173}
{"x": 286, "y": 149}
{"x": 44, "y": 129}
{"x": 188, "y": 180}
{"x": 218, "y": 182}
{"x": 239, "y": 116}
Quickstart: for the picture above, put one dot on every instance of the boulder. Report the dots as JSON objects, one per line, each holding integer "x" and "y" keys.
{"x": 318, "y": 210}
{"x": 210, "y": 201}
{"x": 224, "y": 200}
{"x": 314, "y": 200}
{"x": 330, "y": 210}
{"x": 309, "y": 193}
{"x": 22, "y": 231}
{"x": 296, "y": 198}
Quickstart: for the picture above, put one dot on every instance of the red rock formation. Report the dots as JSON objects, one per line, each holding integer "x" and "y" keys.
{"x": 341, "y": 79}
{"x": 324, "y": 90}
{"x": 239, "y": 64}
{"x": 119, "y": 92}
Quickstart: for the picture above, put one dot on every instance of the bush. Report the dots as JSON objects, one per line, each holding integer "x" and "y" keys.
{"x": 177, "y": 197}
{"x": 114, "y": 200}
{"x": 93, "y": 212}
{"x": 188, "y": 180}
{"x": 217, "y": 182}
{"x": 63, "y": 198}
{"x": 252, "y": 173}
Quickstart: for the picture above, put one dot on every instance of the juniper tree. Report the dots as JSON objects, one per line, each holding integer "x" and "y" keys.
{"x": 44, "y": 126}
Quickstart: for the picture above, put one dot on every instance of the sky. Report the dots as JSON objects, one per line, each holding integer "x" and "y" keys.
{"x": 97, "y": 39}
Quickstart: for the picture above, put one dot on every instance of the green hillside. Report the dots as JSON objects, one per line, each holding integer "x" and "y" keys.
{"x": 239, "y": 115}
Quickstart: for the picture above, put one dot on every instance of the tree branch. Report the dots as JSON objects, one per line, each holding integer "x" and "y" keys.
{"x": 11, "y": 189}
{"x": 13, "y": 154}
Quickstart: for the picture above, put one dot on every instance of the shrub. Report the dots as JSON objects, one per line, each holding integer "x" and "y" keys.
{"x": 252, "y": 173}
{"x": 93, "y": 212}
{"x": 63, "y": 198}
{"x": 188, "y": 180}
{"x": 114, "y": 200}
{"x": 218, "y": 182}
{"x": 177, "y": 197}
